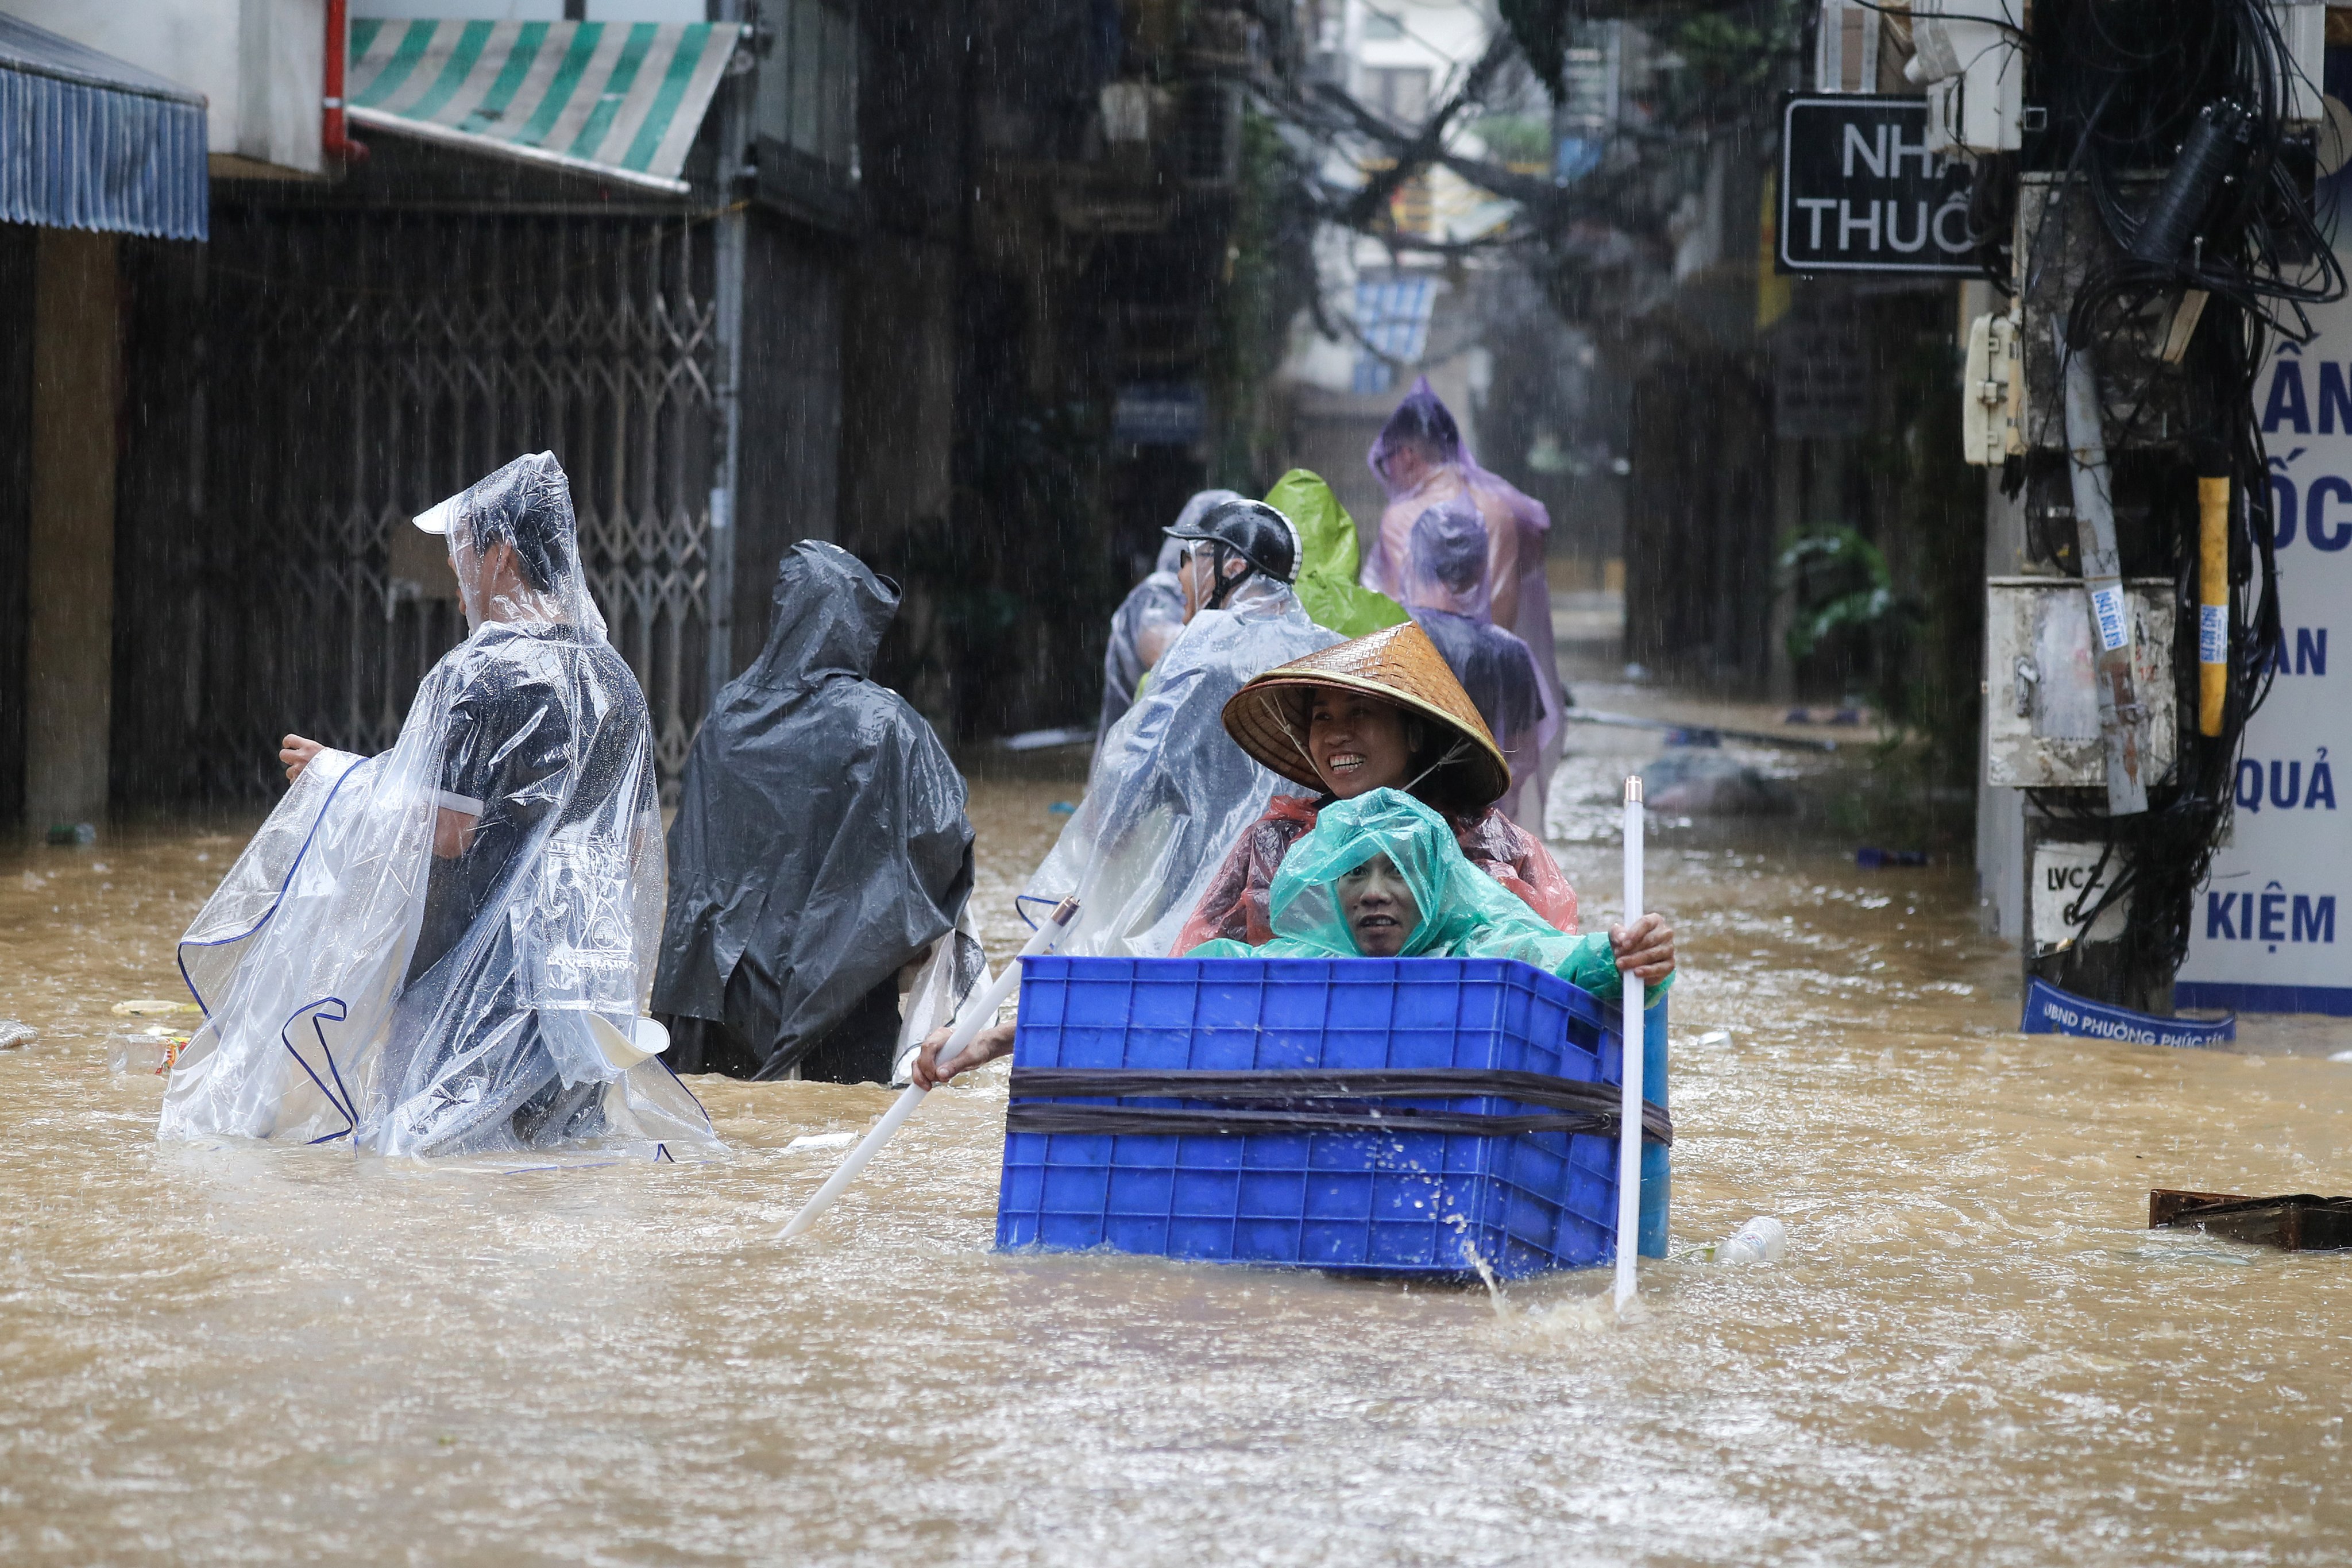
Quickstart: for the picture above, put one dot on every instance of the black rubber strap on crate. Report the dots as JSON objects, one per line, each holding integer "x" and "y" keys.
{"x": 1061, "y": 1116}
{"x": 1306, "y": 1097}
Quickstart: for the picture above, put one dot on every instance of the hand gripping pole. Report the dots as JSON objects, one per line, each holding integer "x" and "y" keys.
{"x": 977, "y": 1011}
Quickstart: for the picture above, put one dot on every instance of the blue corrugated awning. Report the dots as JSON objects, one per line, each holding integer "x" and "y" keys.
{"x": 1394, "y": 317}
{"x": 90, "y": 142}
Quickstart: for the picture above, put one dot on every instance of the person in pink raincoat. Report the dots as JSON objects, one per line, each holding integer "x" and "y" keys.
{"x": 1422, "y": 461}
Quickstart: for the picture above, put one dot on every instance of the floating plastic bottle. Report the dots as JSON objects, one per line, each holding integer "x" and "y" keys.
{"x": 1761, "y": 1240}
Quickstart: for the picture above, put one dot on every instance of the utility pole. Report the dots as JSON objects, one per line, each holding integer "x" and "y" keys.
{"x": 727, "y": 259}
{"x": 2150, "y": 207}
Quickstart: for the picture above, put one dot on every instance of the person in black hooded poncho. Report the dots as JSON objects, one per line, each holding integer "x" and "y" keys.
{"x": 821, "y": 845}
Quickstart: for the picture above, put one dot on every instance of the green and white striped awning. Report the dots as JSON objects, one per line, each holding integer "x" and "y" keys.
{"x": 621, "y": 101}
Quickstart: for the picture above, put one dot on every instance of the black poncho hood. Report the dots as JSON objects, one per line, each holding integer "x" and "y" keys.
{"x": 821, "y": 839}
{"x": 829, "y": 612}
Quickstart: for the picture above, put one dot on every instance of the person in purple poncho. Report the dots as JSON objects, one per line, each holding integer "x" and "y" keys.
{"x": 1422, "y": 461}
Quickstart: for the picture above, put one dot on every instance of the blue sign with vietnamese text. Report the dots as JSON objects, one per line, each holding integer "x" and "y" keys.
{"x": 2263, "y": 933}
{"x": 2050, "y": 1011}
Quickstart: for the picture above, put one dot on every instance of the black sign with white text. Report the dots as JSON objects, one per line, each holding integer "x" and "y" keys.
{"x": 1861, "y": 193}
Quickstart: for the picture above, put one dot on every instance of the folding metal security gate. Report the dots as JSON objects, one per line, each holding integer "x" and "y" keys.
{"x": 362, "y": 367}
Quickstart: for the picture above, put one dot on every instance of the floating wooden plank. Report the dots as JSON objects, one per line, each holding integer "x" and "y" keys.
{"x": 2295, "y": 1222}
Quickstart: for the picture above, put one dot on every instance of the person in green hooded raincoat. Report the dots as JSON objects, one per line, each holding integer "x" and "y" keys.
{"x": 1382, "y": 877}
{"x": 1330, "y": 559}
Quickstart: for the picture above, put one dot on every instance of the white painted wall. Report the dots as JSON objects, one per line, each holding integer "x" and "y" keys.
{"x": 262, "y": 64}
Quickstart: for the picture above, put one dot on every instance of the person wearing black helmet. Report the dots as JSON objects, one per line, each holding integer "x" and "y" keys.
{"x": 1229, "y": 544}
{"x": 1148, "y": 620}
{"x": 1168, "y": 790}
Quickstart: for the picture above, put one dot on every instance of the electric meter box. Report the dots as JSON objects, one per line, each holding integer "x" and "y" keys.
{"x": 2041, "y": 711}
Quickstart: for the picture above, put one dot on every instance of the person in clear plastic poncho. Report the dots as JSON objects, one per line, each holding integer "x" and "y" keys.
{"x": 1148, "y": 619}
{"x": 1382, "y": 877}
{"x": 445, "y": 949}
{"x": 1422, "y": 461}
{"x": 1168, "y": 790}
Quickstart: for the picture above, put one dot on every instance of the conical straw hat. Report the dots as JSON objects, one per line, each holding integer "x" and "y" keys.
{"x": 1267, "y": 718}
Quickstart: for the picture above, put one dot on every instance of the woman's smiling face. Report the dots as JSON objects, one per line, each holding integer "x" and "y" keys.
{"x": 1358, "y": 743}
{"x": 1380, "y": 909}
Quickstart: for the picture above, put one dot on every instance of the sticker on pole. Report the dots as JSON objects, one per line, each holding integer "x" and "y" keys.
{"x": 2213, "y": 633}
{"x": 2107, "y": 614}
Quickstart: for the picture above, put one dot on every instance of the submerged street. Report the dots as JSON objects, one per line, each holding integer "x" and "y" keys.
{"x": 1975, "y": 1351}
{"x": 587, "y": 587}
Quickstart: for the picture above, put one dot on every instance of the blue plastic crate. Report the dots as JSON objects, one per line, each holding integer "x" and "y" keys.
{"x": 1405, "y": 1203}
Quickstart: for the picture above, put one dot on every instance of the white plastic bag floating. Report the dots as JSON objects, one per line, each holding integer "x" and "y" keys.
{"x": 414, "y": 952}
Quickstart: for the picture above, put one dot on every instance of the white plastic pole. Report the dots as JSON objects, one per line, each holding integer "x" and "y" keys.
{"x": 1628, "y": 1111}
{"x": 977, "y": 1011}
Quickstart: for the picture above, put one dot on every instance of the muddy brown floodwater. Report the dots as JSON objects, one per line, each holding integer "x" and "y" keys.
{"x": 1975, "y": 1353}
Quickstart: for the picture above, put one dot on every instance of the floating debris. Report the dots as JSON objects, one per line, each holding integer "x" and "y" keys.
{"x": 1761, "y": 1240}
{"x": 154, "y": 1049}
{"x": 152, "y": 1009}
{"x": 16, "y": 1033}
{"x": 1039, "y": 740}
{"x": 2296, "y": 1222}
{"x": 1702, "y": 782}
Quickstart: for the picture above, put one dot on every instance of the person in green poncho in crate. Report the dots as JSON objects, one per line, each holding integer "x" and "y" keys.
{"x": 1382, "y": 877}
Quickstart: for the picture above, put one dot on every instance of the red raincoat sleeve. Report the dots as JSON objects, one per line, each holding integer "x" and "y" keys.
{"x": 1518, "y": 859}
{"x": 1235, "y": 907}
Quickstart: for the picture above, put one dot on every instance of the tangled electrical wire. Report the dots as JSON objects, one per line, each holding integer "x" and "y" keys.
{"x": 2208, "y": 263}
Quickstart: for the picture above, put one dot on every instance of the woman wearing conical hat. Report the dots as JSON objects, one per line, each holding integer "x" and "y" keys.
{"x": 1383, "y": 711}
